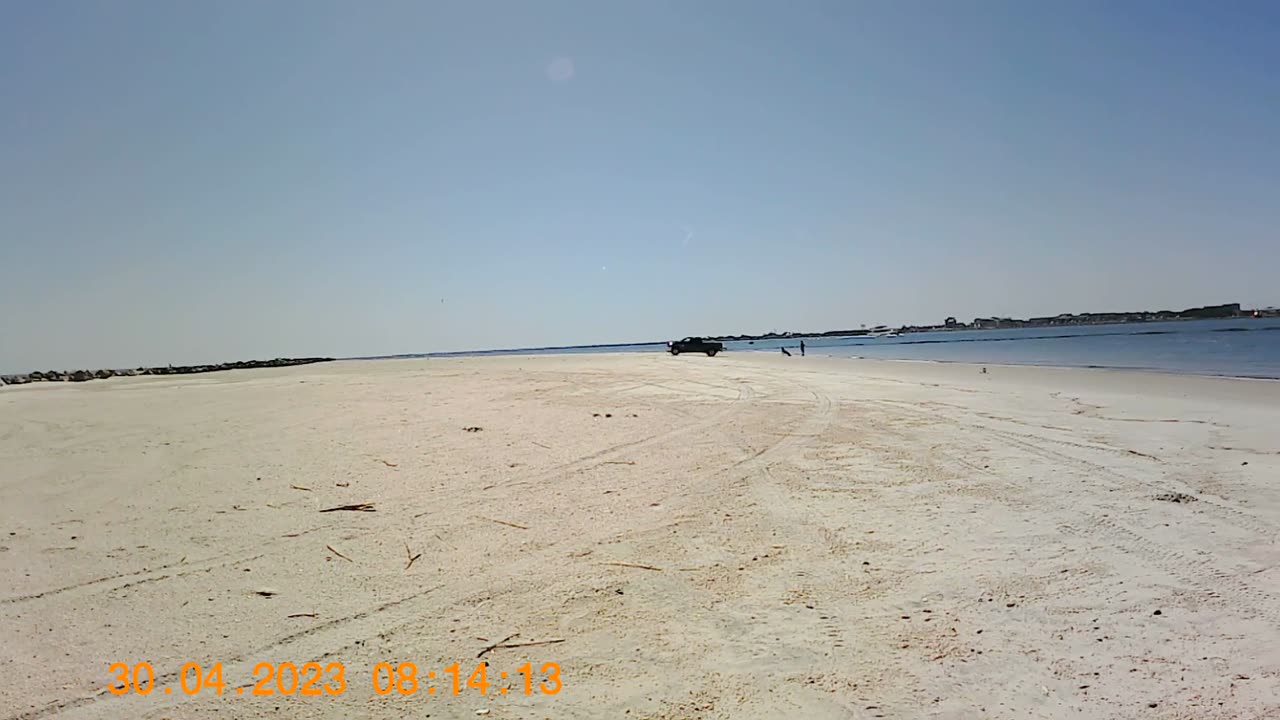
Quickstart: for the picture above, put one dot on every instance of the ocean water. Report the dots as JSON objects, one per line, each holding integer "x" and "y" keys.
{"x": 1244, "y": 347}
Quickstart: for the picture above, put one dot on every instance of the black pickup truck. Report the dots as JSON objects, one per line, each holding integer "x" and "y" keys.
{"x": 695, "y": 344}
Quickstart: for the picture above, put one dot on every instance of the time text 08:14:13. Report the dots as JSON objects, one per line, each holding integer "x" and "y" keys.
{"x": 313, "y": 679}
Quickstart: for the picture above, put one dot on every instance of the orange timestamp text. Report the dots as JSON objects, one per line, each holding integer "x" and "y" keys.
{"x": 314, "y": 680}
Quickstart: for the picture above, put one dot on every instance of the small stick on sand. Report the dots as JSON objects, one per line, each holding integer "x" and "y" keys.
{"x": 634, "y": 565}
{"x": 299, "y": 487}
{"x": 504, "y": 522}
{"x": 335, "y": 552}
{"x": 535, "y": 442}
{"x": 618, "y": 462}
{"x": 353, "y": 507}
{"x": 502, "y": 646}
{"x": 297, "y": 615}
{"x": 412, "y": 558}
{"x": 389, "y": 464}
{"x": 503, "y": 640}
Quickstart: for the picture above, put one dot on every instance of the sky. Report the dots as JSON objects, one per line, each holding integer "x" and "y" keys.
{"x": 188, "y": 182}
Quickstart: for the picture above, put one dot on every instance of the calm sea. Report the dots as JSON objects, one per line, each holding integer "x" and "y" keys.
{"x": 1243, "y": 348}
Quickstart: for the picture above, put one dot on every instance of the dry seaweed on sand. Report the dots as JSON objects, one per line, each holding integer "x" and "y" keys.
{"x": 634, "y": 565}
{"x": 353, "y": 507}
{"x": 412, "y": 558}
{"x": 497, "y": 644}
{"x": 504, "y": 522}
{"x": 504, "y": 645}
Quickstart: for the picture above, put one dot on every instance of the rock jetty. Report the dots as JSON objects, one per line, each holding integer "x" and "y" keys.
{"x": 85, "y": 375}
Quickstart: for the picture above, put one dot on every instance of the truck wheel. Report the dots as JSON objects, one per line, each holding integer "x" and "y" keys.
{"x": 712, "y": 353}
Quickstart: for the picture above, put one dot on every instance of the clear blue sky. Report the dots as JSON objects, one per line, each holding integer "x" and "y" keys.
{"x": 204, "y": 181}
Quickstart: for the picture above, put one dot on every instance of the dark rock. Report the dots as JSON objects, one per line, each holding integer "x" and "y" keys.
{"x": 14, "y": 379}
{"x": 1176, "y": 497}
{"x": 84, "y": 375}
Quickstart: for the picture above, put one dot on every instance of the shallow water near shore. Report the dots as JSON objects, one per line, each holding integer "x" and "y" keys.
{"x": 1242, "y": 347}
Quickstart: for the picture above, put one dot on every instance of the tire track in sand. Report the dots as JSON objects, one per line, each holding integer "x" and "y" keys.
{"x": 745, "y": 394}
{"x": 1202, "y": 574}
{"x": 300, "y": 644}
{"x": 147, "y": 575}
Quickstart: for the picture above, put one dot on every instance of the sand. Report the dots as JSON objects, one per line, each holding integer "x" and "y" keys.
{"x": 823, "y": 538}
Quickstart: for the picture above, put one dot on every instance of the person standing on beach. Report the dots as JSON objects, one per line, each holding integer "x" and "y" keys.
{"x": 801, "y": 348}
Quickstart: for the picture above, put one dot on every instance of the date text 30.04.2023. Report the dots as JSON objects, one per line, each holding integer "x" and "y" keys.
{"x": 314, "y": 679}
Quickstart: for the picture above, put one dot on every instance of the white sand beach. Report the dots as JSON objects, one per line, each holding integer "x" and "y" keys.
{"x": 746, "y": 536}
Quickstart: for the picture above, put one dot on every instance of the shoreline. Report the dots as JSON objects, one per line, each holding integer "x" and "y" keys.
{"x": 647, "y": 347}
{"x": 1110, "y": 368}
{"x": 66, "y": 377}
{"x": 817, "y": 353}
{"x": 1271, "y": 370}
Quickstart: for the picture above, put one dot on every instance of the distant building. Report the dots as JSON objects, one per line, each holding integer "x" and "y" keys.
{"x": 996, "y": 323}
{"x": 950, "y": 322}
